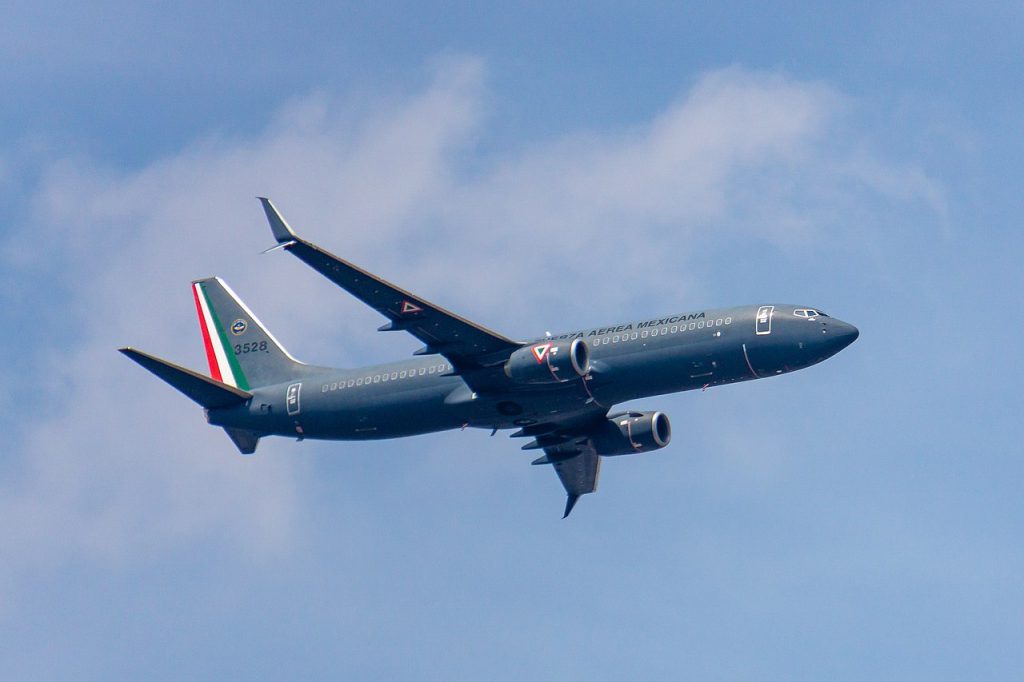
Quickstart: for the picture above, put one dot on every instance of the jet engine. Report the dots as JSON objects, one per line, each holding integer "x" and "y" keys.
{"x": 632, "y": 432}
{"x": 549, "y": 362}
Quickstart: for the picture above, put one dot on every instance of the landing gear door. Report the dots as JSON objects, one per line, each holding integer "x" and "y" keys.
{"x": 763, "y": 323}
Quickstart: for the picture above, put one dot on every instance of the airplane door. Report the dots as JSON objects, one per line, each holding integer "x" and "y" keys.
{"x": 763, "y": 322}
{"x": 292, "y": 399}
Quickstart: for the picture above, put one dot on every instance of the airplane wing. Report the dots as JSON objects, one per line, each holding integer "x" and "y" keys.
{"x": 465, "y": 344}
{"x": 579, "y": 476}
{"x": 577, "y": 466}
{"x": 569, "y": 447}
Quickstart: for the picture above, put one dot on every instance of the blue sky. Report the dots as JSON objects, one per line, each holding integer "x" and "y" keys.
{"x": 532, "y": 169}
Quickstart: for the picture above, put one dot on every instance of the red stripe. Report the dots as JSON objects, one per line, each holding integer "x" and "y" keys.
{"x": 211, "y": 357}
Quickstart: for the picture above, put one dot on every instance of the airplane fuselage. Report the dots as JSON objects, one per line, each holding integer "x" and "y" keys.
{"x": 633, "y": 360}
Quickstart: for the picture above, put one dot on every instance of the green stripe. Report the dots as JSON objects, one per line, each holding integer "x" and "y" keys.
{"x": 236, "y": 368}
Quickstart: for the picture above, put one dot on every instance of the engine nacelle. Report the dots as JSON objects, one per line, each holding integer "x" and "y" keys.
{"x": 632, "y": 432}
{"x": 549, "y": 362}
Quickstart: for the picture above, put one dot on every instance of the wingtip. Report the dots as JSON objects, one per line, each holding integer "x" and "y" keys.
{"x": 570, "y": 502}
{"x": 134, "y": 354}
{"x": 278, "y": 225}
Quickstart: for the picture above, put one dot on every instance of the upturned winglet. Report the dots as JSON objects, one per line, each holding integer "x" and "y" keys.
{"x": 283, "y": 233}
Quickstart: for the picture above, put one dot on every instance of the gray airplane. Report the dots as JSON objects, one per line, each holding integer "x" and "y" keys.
{"x": 558, "y": 391}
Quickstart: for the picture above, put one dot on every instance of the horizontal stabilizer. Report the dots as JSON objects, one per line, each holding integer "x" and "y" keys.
{"x": 245, "y": 440}
{"x": 207, "y": 392}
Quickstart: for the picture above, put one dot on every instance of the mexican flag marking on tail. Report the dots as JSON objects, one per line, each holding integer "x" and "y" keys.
{"x": 224, "y": 365}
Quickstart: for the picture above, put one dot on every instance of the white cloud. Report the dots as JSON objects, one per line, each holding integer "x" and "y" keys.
{"x": 119, "y": 464}
{"x": 713, "y": 165}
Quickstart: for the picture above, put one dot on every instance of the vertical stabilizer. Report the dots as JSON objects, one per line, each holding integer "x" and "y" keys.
{"x": 240, "y": 350}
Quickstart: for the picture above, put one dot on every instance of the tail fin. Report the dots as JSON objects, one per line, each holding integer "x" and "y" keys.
{"x": 240, "y": 350}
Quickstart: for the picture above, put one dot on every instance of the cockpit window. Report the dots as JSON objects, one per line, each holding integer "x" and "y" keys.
{"x": 808, "y": 312}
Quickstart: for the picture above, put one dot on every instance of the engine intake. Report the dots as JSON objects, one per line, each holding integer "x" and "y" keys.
{"x": 549, "y": 362}
{"x": 632, "y": 432}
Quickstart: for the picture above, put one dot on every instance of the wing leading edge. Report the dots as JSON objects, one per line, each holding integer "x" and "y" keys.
{"x": 466, "y": 344}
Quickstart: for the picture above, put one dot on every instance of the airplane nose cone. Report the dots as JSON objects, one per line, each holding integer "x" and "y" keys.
{"x": 848, "y": 332}
{"x": 842, "y": 334}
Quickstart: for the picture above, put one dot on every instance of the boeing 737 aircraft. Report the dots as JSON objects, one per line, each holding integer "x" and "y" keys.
{"x": 558, "y": 391}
